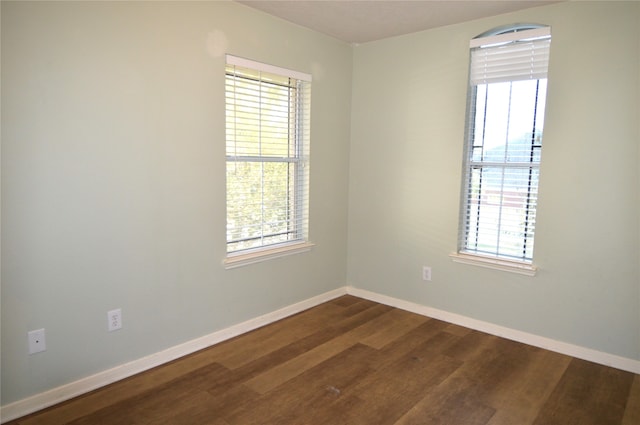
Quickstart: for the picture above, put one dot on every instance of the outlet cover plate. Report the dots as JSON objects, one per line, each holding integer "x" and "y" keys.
{"x": 426, "y": 273}
{"x": 37, "y": 342}
{"x": 114, "y": 320}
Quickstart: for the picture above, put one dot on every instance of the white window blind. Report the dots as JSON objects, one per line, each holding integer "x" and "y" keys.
{"x": 497, "y": 60}
{"x": 267, "y": 152}
{"x": 505, "y": 117}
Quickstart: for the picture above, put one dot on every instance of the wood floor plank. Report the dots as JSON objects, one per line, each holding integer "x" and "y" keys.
{"x": 431, "y": 330}
{"x": 403, "y": 382}
{"x": 632, "y": 409}
{"x": 346, "y": 300}
{"x": 206, "y": 407}
{"x": 487, "y": 389}
{"x": 285, "y": 371}
{"x": 471, "y": 346}
{"x": 115, "y": 393}
{"x": 520, "y": 398}
{"x": 235, "y": 353}
{"x": 311, "y": 392}
{"x": 269, "y": 361}
{"x": 460, "y": 397}
{"x": 457, "y": 330}
{"x": 188, "y": 390}
{"x": 359, "y": 316}
{"x": 452, "y": 402}
{"x": 587, "y": 394}
{"x": 399, "y": 323}
{"x": 389, "y": 393}
{"x": 324, "y": 334}
{"x": 503, "y": 366}
{"x": 355, "y": 307}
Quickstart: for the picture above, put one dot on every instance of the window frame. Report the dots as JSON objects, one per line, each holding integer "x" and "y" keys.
{"x": 473, "y": 255}
{"x": 298, "y": 156}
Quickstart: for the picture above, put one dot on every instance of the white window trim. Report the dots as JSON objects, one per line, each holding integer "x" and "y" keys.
{"x": 523, "y": 267}
{"x": 494, "y": 263}
{"x": 263, "y": 253}
{"x": 258, "y": 255}
{"x": 265, "y": 67}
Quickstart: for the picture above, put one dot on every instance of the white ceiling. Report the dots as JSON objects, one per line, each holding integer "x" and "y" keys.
{"x": 360, "y": 21}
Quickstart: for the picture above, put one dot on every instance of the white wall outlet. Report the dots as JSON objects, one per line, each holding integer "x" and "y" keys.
{"x": 37, "y": 341}
{"x": 114, "y": 319}
{"x": 426, "y": 273}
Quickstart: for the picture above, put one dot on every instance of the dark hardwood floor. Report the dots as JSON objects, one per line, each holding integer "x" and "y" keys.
{"x": 352, "y": 361}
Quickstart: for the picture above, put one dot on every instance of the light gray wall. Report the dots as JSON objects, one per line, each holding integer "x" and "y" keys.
{"x": 113, "y": 189}
{"x": 405, "y": 175}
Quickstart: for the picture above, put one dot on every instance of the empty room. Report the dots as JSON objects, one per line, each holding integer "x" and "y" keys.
{"x": 320, "y": 212}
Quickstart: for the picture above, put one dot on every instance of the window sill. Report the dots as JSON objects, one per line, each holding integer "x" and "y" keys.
{"x": 495, "y": 263}
{"x": 243, "y": 259}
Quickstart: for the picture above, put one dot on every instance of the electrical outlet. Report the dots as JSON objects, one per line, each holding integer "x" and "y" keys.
{"x": 426, "y": 273}
{"x": 114, "y": 320}
{"x": 37, "y": 341}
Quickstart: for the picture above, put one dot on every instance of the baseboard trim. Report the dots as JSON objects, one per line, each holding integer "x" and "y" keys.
{"x": 65, "y": 392}
{"x": 82, "y": 386}
{"x": 577, "y": 351}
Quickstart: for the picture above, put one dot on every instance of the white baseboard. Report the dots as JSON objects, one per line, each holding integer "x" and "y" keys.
{"x": 73, "y": 389}
{"x": 577, "y": 351}
{"x": 65, "y": 392}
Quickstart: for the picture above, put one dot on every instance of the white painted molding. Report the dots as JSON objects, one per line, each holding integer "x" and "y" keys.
{"x": 607, "y": 359}
{"x": 494, "y": 263}
{"x": 73, "y": 389}
{"x": 235, "y": 260}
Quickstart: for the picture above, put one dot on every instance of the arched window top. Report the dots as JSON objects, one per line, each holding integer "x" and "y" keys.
{"x": 506, "y": 29}
{"x": 515, "y": 33}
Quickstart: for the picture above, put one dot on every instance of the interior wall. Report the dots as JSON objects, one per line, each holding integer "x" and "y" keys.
{"x": 408, "y": 117}
{"x": 113, "y": 179}
{"x": 113, "y": 184}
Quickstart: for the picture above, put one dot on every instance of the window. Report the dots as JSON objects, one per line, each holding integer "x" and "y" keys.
{"x": 267, "y": 153}
{"x": 504, "y": 128}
